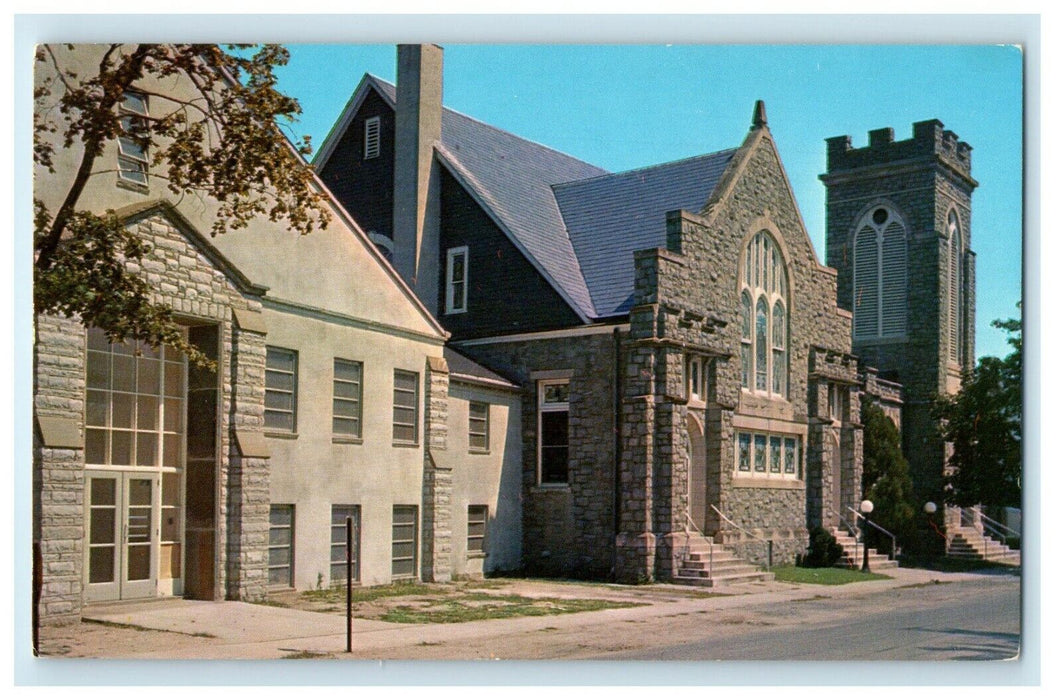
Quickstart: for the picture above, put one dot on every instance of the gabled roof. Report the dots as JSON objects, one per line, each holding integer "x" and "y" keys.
{"x": 576, "y": 223}
{"x": 610, "y": 217}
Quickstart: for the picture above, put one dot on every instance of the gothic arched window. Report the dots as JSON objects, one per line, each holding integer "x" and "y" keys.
{"x": 764, "y": 318}
{"x": 879, "y": 276}
{"x": 954, "y": 279}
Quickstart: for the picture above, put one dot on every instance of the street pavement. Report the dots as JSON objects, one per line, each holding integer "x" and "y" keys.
{"x": 756, "y": 620}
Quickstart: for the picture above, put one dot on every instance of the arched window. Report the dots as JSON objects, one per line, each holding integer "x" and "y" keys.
{"x": 764, "y": 318}
{"x": 954, "y": 280}
{"x": 879, "y": 276}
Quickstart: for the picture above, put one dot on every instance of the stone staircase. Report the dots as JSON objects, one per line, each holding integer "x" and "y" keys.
{"x": 726, "y": 568}
{"x": 853, "y": 554}
{"x": 968, "y": 543}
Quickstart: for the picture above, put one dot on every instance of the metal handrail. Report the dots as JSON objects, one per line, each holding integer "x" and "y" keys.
{"x": 989, "y": 520}
{"x": 769, "y": 543}
{"x": 711, "y": 544}
{"x": 879, "y": 528}
{"x": 852, "y": 529}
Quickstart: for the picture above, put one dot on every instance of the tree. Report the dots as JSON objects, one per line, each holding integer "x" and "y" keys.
{"x": 220, "y": 142}
{"x": 886, "y": 476}
{"x": 983, "y": 424}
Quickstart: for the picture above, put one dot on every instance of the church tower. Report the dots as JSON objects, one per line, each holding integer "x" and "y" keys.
{"x": 898, "y": 234}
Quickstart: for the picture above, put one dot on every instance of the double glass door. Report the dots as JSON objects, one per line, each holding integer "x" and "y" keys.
{"x": 124, "y": 527}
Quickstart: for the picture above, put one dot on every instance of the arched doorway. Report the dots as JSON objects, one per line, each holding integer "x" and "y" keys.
{"x": 697, "y": 471}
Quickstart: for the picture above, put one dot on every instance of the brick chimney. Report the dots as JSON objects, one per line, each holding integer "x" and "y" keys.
{"x": 418, "y": 126}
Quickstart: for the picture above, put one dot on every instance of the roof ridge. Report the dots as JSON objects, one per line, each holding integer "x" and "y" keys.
{"x": 499, "y": 130}
{"x": 654, "y": 166}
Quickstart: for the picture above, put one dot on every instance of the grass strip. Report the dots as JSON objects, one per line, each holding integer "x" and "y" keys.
{"x": 823, "y": 576}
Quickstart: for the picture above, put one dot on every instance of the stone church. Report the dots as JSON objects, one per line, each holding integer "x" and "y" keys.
{"x": 505, "y": 358}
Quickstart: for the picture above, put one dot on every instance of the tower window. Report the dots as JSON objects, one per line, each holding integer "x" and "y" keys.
{"x": 954, "y": 293}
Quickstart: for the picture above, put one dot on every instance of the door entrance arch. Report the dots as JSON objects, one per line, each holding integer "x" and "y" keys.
{"x": 696, "y": 471}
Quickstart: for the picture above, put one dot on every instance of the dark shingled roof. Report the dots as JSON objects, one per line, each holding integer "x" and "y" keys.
{"x": 578, "y": 224}
{"x": 462, "y": 366}
{"x": 610, "y": 217}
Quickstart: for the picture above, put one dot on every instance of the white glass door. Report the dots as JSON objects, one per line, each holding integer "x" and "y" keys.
{"x": 123, "y": 527}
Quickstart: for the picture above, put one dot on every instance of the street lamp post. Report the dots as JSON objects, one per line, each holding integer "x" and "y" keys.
{"x": 866, "y": 507}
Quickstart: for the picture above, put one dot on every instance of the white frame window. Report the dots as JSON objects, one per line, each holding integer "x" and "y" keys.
{"x": 478, "y": 426}
{"x": 347, "y": 377}
{"x": 282, "y": 389}
{"x": 879, "y": 275}
{"x": 403, "y": 542}
{"x": 764, "y": 318}
{"x": 834, "y": 402}
{"x": 696, "y": 381}
{"x": 457, "y": 280}
{"x": 763, "y": 455}
{"x": 553, "y": 434}
{"x": 132, "y": 147}
{"x": 338, "y": 543}
{"x": 477, "y": 529}
{"x": 404, "y": 416}
{"x": 372, "y": 138}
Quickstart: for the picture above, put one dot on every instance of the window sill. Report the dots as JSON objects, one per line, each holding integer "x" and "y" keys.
{"x": 133, "y": 186}
{"x": 280, "y": 435}
{"x": 766, "y": 482}
{"x": 346, "y": 440}
{"x": 477, "y": 451}
{"x": 477, "y": 555}
{"x": 551, "y": 487}
{"x": 405, "y": 444}
{"x": 454, "y": 312}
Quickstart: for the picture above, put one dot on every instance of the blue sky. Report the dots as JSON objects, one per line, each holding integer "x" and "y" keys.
{"x": 628, "y": 106}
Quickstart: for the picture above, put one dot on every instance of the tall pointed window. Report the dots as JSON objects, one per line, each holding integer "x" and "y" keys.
{"x": 879, "y": 276}
{"x": 764, "y": 318}
{"x": 954, "y": 279}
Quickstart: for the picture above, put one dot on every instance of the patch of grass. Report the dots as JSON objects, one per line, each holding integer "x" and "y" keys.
{"x": 828, "y": 576}
{"x": 369, "y": 593}
{"x": 487, "y": 607}
{"x": 141, "y": 628}
{"x": 306, "y": 654}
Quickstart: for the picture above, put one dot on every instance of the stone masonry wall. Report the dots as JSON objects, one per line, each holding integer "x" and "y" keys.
{"x": 186, "y": 280}
{"x": 567, "y": 530}
{"x": 437, "y": 522}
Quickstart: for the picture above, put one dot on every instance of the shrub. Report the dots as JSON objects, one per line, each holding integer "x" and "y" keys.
{"x": 823, "y": 549}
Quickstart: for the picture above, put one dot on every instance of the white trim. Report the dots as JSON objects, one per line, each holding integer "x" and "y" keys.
{"x": 578, "y": 331}
{"x": 451, "y": 255}
{"x": 542, "y": 406}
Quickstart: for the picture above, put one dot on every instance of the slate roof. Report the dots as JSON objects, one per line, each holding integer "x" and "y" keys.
{"x": 610, "y": 217}
{"x": 464, "y": 367}
{"x": 576, "y": 223}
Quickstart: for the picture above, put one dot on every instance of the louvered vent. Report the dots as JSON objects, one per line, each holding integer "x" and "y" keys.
{"x": 865, "y": 289}
{"x": 372, "y": 137}
{"x": 894, "y": 280}
{"x": 953, "y": 301}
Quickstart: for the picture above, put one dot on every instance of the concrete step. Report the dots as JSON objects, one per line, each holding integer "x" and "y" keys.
{"x": 709, "y": 564}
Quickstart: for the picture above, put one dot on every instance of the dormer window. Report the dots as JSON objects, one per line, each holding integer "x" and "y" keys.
{"x": 372, "y": 138}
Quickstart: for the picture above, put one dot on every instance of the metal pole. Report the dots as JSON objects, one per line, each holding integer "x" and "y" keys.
{"x": 770, "y": 554}
{"x": 350, "y": 577}
{"x": 866, "y": 552}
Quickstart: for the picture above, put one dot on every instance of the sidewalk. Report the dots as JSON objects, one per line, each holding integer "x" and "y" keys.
{"x": 234, "y": 630}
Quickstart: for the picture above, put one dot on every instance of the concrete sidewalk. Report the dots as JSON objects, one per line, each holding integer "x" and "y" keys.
{"x": 235, "y": 630}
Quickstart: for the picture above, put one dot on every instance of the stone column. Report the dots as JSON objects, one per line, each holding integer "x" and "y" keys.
{"x": 635, "y": 541}
{"x": 437, "y": 522}
{"x": 59, "y": 465}
{"x": 246, "y": 514}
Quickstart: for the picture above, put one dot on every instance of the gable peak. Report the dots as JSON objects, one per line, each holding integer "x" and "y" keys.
{"x": 759, "y": 116}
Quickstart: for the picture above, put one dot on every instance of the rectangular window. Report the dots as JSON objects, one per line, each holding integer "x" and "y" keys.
{"x": 696, "y": 382}
{"x": 281, "y": 545}
{"x": 133, "y": 140}
{"x": 405, "y": 407}
{"x": 339, "y": 543}
{"x": 553, "y": 431}
{"x": 776, "y": 454}
{"x": 134, "y": 404}
{"x": 760, "y": 453}
{"x": 372, "y": 138}
{"x": 281, "y": 388}
{"x": 478, "y": 426}
{"x": 404, "y": 542}
{"x": 457, "y": 280}
{"x": 744, "y": 452}
{"x": 835, "y": 402}
{"x": 477, "y": 529}
{"x": 790, "y": 455}
{"x": 346, "y": 398}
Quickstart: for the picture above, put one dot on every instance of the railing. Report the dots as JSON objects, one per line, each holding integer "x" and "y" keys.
{"x": 853, "y": 530}
{"x": 892, "y": 551}
{"x": 989, "y": 527}
{"x": 711, "y": 544}
{"x": 769, "y": 543}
